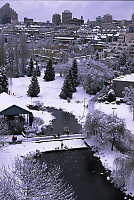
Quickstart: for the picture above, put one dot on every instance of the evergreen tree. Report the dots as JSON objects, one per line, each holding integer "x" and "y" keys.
{"x": 74, "y": 69}
{"x": 3, "y": 82}
{"x": 122, "y": 59}
{"x": 37, "y": 70}
{"x": 30, "y": 69}
{"x": 66, "y": 91}
{"x": 49, "y": 73}
{"x": 129, "y": 66}
{"x": 34, "y": 88}
{"x": 111, "y": 95}
{"x": 96, "y": 55}
{"x": 70, "y": 76}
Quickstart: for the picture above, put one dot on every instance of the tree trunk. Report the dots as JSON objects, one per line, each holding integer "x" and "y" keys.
{"x": 133, "y": 112}
{"x": 112, "y": 147}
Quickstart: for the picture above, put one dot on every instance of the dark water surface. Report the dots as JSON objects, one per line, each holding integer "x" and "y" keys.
{"x": 63, "y": 119}
{"x": 79, "y": 167}
{"x": 85, "y": 173}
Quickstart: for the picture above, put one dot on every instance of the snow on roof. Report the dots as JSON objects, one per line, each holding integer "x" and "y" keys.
{"x": 127, "y": 77}
{"x": 5, "y": 101}
{"x": 103, "y": 36}
{"x": 109, "y": 34}
{"x": 65, "y": 38}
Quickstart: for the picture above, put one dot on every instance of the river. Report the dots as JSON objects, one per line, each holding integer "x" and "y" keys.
{"x": 80, "y": 168}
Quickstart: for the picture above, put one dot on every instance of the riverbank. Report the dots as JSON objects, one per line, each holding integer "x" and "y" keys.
{"x": 49, "y": 97}
{"x": 108, "y": 159}
{"x": 81, "y": 169}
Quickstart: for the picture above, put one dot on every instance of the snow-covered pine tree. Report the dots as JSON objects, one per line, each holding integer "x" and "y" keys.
{"x": 37, "y": 70}
{"x": 122, "y": 59}
{"x": 96, "y": 56}
{"x": 30, "y": 69}
{"x": 34, "y": 88}
{"x": 49, "y": 73}
{"x": 74, "y": 69}
{"x": 70, "y": 76}
{"x": 3, "y": 82}
{"x": 66, "y": 90}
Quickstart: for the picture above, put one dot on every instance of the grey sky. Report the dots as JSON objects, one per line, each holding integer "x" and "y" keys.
{"x": 41, "y": 10}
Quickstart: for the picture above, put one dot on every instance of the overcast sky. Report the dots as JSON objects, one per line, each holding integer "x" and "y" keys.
{"x": 41, "y": 10}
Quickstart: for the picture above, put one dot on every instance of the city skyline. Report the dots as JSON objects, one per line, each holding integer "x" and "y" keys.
{"x": 43, "y": 10}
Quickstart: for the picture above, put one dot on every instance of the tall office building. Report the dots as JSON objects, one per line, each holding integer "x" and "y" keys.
{"x": 7, "y": 14}
{"x": 56, "y": 19}
{"x": 131, "y": 25}
{"x": 107, "y": 19}
{"x": 66, "y": 17}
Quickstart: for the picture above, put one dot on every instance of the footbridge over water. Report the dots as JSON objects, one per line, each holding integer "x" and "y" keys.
{"x": 64, "y": 142}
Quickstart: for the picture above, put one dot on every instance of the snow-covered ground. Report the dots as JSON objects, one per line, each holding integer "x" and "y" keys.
{"x": 9, "y": 152}
{"x": 49, "y": 96}
{"x": 122, "y": 111}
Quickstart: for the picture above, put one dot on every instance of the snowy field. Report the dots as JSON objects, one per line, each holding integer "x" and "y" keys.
{"x": 49, "y": 96}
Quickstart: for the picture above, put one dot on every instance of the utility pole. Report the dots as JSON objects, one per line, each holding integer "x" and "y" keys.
{"x": 113, "y": 111}
{"x": 85, "y": 104}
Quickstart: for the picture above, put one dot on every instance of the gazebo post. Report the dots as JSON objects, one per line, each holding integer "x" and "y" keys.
{"x": 27, "y": 118}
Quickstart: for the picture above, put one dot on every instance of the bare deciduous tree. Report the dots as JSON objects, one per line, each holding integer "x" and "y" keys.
{"x": 23, "y": 51}
{"x": 105, "y": 127}
{"x": 2, "y": 50}
{"x": 28, "y": 179}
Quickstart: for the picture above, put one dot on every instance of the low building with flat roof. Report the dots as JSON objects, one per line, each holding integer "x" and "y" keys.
{"x": 121, "y": 82}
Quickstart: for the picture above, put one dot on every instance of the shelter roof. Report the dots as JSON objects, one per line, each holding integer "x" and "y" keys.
{"x": 5, "y": 101}
{"x": 14, "y": 110}
{"x": 9, "y": 107}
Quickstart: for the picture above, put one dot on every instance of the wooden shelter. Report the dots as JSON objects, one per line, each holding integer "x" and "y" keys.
{"x": 15, "y": 114}
{"x": 14, "y": 110}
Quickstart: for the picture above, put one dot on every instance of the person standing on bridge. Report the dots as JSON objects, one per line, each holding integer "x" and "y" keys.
{"x": 67, "y": 131}
{"x": 58, "y": 135}
{"x": 62, "y": 145}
